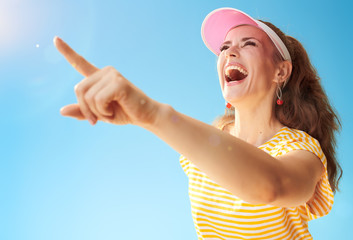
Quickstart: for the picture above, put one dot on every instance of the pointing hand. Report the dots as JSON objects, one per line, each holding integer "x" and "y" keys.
{"x": 105, "y": 95}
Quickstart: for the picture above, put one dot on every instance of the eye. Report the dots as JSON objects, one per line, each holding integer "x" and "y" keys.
{"x": 251, "y": 43}
{"x": 223, "y": 47}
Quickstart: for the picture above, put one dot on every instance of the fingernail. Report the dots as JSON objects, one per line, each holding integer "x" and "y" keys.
{"x": 92, "y": 121}
{"x": 55, "y": 39}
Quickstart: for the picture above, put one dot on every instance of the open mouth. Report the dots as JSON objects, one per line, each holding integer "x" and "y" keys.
{"x": 235, "y": 73}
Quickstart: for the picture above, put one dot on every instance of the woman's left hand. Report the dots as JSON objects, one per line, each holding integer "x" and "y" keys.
{"x": 105, "y": 95}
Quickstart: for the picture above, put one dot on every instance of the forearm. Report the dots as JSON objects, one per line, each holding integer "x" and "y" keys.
{"x": 243, "y": 169}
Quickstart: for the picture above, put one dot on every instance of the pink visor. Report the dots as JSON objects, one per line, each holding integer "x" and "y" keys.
{"x": 219, "y": 22}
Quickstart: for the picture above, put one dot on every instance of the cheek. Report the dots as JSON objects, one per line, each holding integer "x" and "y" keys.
{"x": 270, "y": 71}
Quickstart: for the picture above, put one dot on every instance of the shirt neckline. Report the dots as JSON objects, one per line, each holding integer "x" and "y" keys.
{"x": 273, "y": 137}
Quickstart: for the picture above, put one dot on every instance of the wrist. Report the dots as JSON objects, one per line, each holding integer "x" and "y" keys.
{"x": 160, "y": 115}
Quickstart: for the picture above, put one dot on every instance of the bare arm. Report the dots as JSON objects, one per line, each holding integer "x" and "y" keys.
{"x": 246, "y": 171}
{"x": 243, "y": 169}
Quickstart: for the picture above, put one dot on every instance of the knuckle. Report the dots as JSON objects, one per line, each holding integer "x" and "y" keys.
{"x": 99, "y": 99}
{"x": 112, "y": 71}
{"x": 88, "y": 97}
{"x": 81, "y": 87}
{"x": 78, "y": 88}
{"x": 109, "y": 69}
{"x": 120, "y": 80}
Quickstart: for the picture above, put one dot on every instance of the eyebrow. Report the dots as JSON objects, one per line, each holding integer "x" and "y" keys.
{"x": 242, "y": 40}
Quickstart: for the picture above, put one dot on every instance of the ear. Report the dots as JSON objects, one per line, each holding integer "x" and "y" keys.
{"x": 284, "y": 70}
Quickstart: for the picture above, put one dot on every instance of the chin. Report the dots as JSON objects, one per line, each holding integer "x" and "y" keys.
{"x": 231, "y": 97}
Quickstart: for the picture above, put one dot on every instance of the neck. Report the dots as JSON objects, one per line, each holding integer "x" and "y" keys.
{"x": 255, "y": 124}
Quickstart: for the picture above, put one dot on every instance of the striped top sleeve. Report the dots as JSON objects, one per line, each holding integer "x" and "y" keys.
{"x": 322, "y": 201}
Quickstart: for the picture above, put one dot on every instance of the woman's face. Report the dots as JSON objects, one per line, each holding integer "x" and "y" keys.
{"x": 246, "y": 67}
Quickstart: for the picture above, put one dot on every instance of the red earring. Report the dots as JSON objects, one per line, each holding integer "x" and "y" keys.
{"x": 279, "y": 95}
{"x": 279, "y": 102}
{"x": 228, "y": 105}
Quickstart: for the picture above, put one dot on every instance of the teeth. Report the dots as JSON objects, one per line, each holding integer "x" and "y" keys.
{"x": 243, "y": 71}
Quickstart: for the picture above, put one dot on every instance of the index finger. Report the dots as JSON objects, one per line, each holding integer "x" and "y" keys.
{"x": 76, "y": 60}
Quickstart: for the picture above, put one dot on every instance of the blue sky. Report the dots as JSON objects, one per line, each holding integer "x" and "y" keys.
{"x": 64, "y": 179}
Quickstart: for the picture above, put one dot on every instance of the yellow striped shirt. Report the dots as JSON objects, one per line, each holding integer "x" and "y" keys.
{"x": 218, "y": 214}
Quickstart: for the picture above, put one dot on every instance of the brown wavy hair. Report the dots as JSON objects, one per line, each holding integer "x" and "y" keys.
{"x": 306, "y": 106}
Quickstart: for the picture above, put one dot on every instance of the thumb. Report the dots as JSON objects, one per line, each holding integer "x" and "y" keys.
{"x": 72, "y": 110}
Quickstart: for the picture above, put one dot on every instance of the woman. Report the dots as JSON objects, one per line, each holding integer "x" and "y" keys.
{"x": 273, "y": 167}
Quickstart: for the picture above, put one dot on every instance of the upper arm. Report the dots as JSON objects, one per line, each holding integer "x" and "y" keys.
{"x": 300, "y": 172}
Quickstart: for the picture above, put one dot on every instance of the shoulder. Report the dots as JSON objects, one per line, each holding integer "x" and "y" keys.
{"x": 293, "y": 139}
{"x": 295, "y": 135}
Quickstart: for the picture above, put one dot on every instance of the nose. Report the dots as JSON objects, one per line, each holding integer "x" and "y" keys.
{"x": 231, "y": 53}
